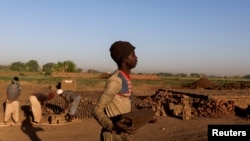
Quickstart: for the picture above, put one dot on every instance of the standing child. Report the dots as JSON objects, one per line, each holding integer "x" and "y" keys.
{"x": 115, "y": 100}
{"x": 12, "y": 103}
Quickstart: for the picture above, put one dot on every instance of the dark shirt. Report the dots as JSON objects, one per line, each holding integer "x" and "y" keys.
{"x": 69, "y": 95}
{"x": 41, "y": 97}
{"x": 13, "y": 90}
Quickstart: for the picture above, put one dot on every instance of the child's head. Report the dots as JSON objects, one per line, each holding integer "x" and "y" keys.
{"x": 59, "y": 85}
{"x": 15, "y": 80}
{"x": 120, "y": 50}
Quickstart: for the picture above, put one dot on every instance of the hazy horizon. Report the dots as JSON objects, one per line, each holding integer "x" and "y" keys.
{"x": 209, "y": 37}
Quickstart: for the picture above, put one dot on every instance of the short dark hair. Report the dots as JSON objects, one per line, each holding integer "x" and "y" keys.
{"x": 16, "y": 78}
{"x": 59, "y": 85}
{"x": 120, "y": 50}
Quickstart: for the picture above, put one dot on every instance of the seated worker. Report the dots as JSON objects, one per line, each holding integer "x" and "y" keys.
{"x": 38, "y": 103}
{"x": 72, "y": 101}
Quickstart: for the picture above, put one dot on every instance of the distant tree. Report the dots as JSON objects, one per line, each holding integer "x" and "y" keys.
{"x": 69, "y": 66}
{"x": 3, "y": 67}
{"x": 164, "y": 74}
{"x": 31, "y": 66}
{"x": 92, "y": 71}
{"x": 213, "y": 76}
{"x": 17, "y": 66}
{"x": 194, "y": 75}
{"x": 78, "y": 70}
{"x": 247, "y": 76}
{"x": 66, "y": 66}
{"x": 181, "y": 75}
{"x": 48, "y": 68}
{"x": 59, "y": 67}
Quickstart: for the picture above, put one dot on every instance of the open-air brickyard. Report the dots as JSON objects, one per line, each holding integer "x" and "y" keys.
{"x": 183, "y": 112}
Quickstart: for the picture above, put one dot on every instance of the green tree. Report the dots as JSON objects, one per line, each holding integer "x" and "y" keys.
{"x": 247, "y": 76}
{"x": 48, "y": 68}
{"x": 4, "y": 67}
{"x": 31, "y": 66}
{"x": 66, "y": 66}
{"x": 59, "y": 67}
{"x": 194, "y": 75}
{"x": 17, "y": 66}
{"x": 69, "y": 66}
{"x": 163, "y": 74}
{"x": 181, "y": 75}
{"x": 78, "y": 70}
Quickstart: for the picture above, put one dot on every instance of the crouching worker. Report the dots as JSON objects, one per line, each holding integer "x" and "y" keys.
{"x": 38, "y": 103}
{"x": 72, "y": 101}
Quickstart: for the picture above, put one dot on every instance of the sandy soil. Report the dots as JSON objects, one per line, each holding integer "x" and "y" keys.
{"x": 166, "y": 128}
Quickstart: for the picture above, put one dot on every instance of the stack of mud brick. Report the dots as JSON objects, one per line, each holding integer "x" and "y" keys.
{"x": 186, "y": 108}
{"x": 159, "y": 109}
{"x": 52, "y": 119}
{"x": 183, "y": 109}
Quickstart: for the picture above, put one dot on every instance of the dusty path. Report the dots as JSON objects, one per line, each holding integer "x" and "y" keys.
{"x": 165, "y": 129}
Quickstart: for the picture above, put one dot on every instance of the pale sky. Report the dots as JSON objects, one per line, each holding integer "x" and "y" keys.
{"x": 171, "y": 36}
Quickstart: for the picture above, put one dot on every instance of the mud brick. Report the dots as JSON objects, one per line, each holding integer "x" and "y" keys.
{"x": 185, "y": 100}
{"x": 140, "y": 117}
{"x": 187, "y": 111}
{"x": 52, "y": 119}
{"x": 186, "y": 108}
{"x": 160, "y": 110}
{"x": 177, "y": 109}
{"x": 171, "y": 106}
{"x": 55, "y": 119}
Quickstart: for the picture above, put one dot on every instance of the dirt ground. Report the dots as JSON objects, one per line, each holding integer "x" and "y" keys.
{"x": 165, "y": 129}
